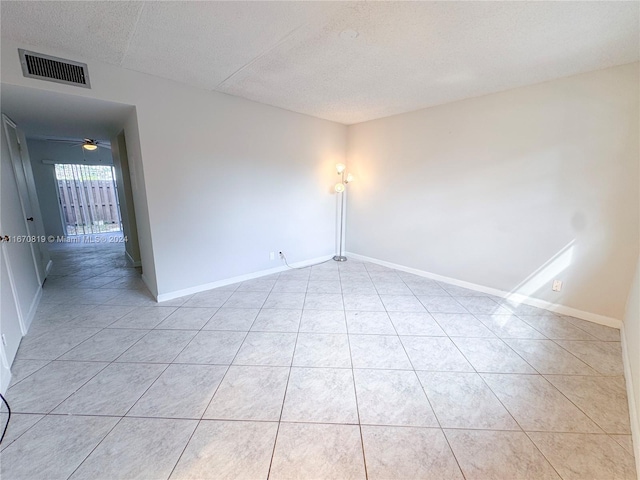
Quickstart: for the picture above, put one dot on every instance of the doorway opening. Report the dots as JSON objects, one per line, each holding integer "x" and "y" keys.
{"x": 88, "y": 199}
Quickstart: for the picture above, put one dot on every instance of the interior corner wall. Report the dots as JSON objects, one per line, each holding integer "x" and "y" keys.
{"x": 510, "y": 190}
{"x": 222, "y": 181}
{"x": 140, "y": 202}
{"x": 125, "y": 197}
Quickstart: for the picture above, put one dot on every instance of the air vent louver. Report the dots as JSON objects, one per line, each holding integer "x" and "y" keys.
{"x": 54, "y": 69}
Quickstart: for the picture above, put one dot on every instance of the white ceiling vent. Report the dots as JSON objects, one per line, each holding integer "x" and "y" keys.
{"x": 54, "y": 69}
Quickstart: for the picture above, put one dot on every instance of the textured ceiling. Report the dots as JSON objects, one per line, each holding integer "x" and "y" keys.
{"x": 406, "y": 56}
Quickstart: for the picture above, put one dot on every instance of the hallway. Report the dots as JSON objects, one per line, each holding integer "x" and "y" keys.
{"x": 343, "y": 371}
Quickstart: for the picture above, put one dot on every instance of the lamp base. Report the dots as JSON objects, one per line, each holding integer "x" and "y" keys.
{"x": 339, "y": 258}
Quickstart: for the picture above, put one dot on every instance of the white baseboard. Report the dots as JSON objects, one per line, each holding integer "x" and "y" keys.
{"x": 634, "y": 416}
{"x": 518, "y": 298}
{"x": 132, "y": 261}
{"x": 28, "y": 318}
{"x": 241, "y": 278}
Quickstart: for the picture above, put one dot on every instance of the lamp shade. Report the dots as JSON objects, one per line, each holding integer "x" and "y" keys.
{"x": 339, "y": 187}
{"x": 340, "y": 167}
{"x": 349, "y": 178}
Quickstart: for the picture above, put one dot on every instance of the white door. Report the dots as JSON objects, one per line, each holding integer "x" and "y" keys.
{"x": 10, "y": 326}
{"x": 19, "y": 279}
{"x": 28, "y": 210}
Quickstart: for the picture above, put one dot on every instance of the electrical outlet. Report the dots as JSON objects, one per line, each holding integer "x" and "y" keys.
{"x": 557, "y": 285}
{"x": 272, "y": 255}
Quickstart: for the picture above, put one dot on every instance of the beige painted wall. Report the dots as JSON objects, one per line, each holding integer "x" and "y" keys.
{"x": 538, "y": 180}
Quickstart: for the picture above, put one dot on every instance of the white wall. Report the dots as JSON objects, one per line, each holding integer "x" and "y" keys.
{"x": 241, "y": 180}
{"x": 141, "y": 204}
{"x": 632, "y": 351}
{"x": 45, "y": 176}
{"x": 489, "y": 190}
{"x": 226, "y": 180}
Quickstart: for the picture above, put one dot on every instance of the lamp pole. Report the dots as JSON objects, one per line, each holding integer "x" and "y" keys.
{"x": 340, "y": 188}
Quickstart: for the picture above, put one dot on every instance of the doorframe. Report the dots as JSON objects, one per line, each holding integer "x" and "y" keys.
{"x": 86, "y": 199}
{"x": 8, "y": 123}
{"x": 32, "y": 193}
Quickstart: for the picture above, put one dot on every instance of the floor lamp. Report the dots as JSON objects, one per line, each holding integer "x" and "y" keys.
{"x": 340, "y": 188}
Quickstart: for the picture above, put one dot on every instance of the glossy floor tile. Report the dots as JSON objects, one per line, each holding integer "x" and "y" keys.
{"x": 181, "y": 391}
{"x": 113, "y": 391}
{"x": 580, "y": 456}
{"x": 54, "y": 447}
{"x": 405, "y": 452}
{"x": 537, "y": 405}
{"x": 138, "y": 448}
{"x": 320, "y": 395}
{"x": 392, "y": 397}
{"x": 306, "y": 450}
{"x": 488, "y": 454}
{"x": 226, "y": 450}
{"x": 335, "y": 371}
{"x": 464, "y": 400}
{"x": 322, "y": 350}
{"x": 250, "y": 393}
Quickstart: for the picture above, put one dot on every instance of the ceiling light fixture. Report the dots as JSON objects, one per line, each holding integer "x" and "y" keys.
{"x": 90, "y": 146}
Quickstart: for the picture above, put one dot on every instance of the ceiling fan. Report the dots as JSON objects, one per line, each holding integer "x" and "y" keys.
{"x": 87, "y": 143}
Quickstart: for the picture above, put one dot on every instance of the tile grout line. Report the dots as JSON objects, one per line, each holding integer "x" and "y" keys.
{"x": 543, "y": 375}
{"x": 424, "y": 392}
{"x": 518, "y": 423}
{"x": 231, "y": 420}
{"x": 286, "y": 387}
{"x": 115, "y": 361}
{"x": 204, "y": 412}
{"x": 503, "y": 406}
{"x": 85, "y": 383}
{"x": 353, "y": 377}
{"x": 122, "y": 417}
{"x": 293, "y": 356}
{"x": 494, "y": 394}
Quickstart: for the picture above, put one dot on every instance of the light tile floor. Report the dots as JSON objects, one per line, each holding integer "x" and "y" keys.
{"x": 337, "y": 371}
